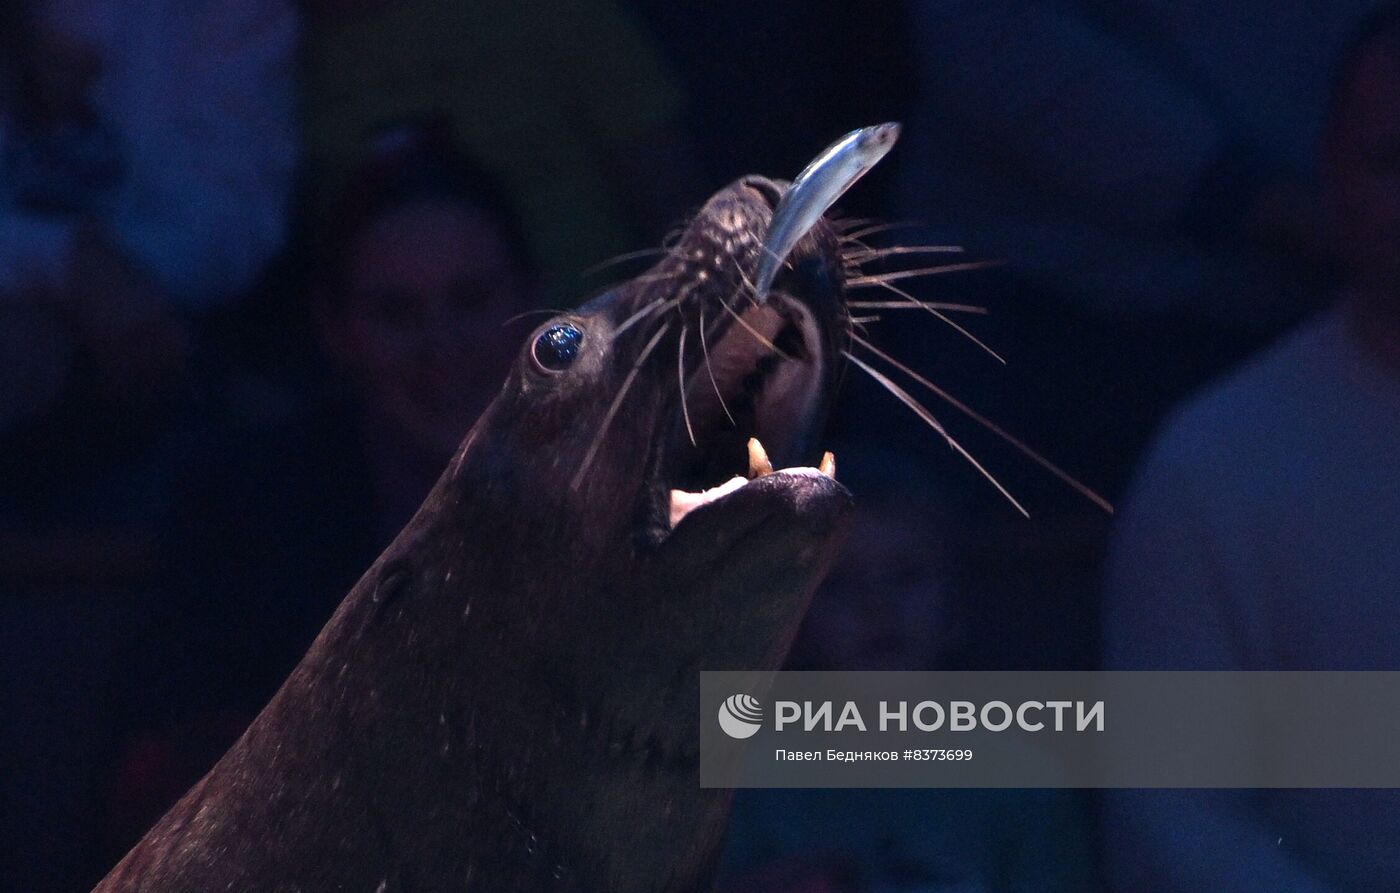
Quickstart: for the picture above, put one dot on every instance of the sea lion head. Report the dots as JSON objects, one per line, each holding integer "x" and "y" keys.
{"x": 586, "y": 478}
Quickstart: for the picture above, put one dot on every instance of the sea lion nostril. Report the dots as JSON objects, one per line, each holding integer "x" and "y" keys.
{"x": 771, "y": 191}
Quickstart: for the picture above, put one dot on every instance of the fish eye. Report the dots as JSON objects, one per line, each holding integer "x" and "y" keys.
{"x": 556, "y": 348}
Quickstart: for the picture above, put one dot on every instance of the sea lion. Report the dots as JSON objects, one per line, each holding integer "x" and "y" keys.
{"x": 508, "y": 699}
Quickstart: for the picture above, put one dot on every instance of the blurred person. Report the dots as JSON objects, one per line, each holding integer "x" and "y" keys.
{"x": 887, "y": 606}
{"x": 566, "y": 103}
{"x": 1261, "y": 534}
{"x": 410, "y": 294}
{"x": 146, "y": 155}
{"x": 1146, "y": 171}
{"x": 412, "y": 309}
{"x": 1141, "y": 160}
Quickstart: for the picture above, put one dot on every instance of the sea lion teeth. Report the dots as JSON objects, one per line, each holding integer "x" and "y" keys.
{"x": 758, "y": 459}
{"x": 683, "y": 502}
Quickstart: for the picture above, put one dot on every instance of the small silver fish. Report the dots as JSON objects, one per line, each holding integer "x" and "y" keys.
{"x": 815, "y": 190}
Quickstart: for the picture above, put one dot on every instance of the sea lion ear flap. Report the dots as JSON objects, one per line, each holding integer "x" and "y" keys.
{"x": 388, "y": 585}
{"x": 392, "y": 580}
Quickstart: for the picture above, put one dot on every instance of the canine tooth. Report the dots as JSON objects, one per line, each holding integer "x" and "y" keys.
{"x": 828, "y": 466}
{"x": 758, "y": 459}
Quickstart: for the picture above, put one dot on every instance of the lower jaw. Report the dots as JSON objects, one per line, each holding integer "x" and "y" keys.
{"x": 682, "y": 502}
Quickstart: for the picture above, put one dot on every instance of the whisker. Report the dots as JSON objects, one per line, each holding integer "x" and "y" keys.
{"x": 883, "y": 278}
{"x": 991, "y": 426}
{"x": 846, "y": 223}
{"x": 762, "y": 339}
{"x": 752, "y": 292}
{"x": 883, "y": 228}
{"x": 709, "y": 370}
{"x": 680, "y": 379}
{"x": 857, "y": 322}
{"x": 659, "y": 305}
{"x": 616, "y": 403}
{"x": 918, "y": 305}
{"x": 673, "y": 237}
{"x": 922, "y": 412}
{"x": 650, "y": 277}
{"x": 620, "y": 259}
{"x": 868, "y": 254}
{"x": 957, "y": 327}
{"x": 947, "y": 319}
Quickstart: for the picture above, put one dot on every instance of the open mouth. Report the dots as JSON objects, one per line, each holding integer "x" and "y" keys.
{"x": 762, "y": 390}
{"x": 753, "y": 403}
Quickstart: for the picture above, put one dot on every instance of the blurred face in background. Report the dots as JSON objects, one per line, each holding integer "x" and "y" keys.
{"x": 879, "y": 608}
{"x": 420, "y": 329}
{"x": 1362, "y": 171}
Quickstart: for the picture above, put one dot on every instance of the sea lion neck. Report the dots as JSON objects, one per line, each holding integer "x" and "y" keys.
{"x": 509, "y": 697}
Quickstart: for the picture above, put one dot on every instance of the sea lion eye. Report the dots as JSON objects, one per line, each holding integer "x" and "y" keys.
{"x": 556, "y": 348}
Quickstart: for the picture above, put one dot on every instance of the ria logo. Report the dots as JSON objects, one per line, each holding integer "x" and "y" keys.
{"x": 740, "y": 716}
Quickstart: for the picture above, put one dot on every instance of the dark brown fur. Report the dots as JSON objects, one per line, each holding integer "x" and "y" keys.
{"x": 508, "y": 699}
